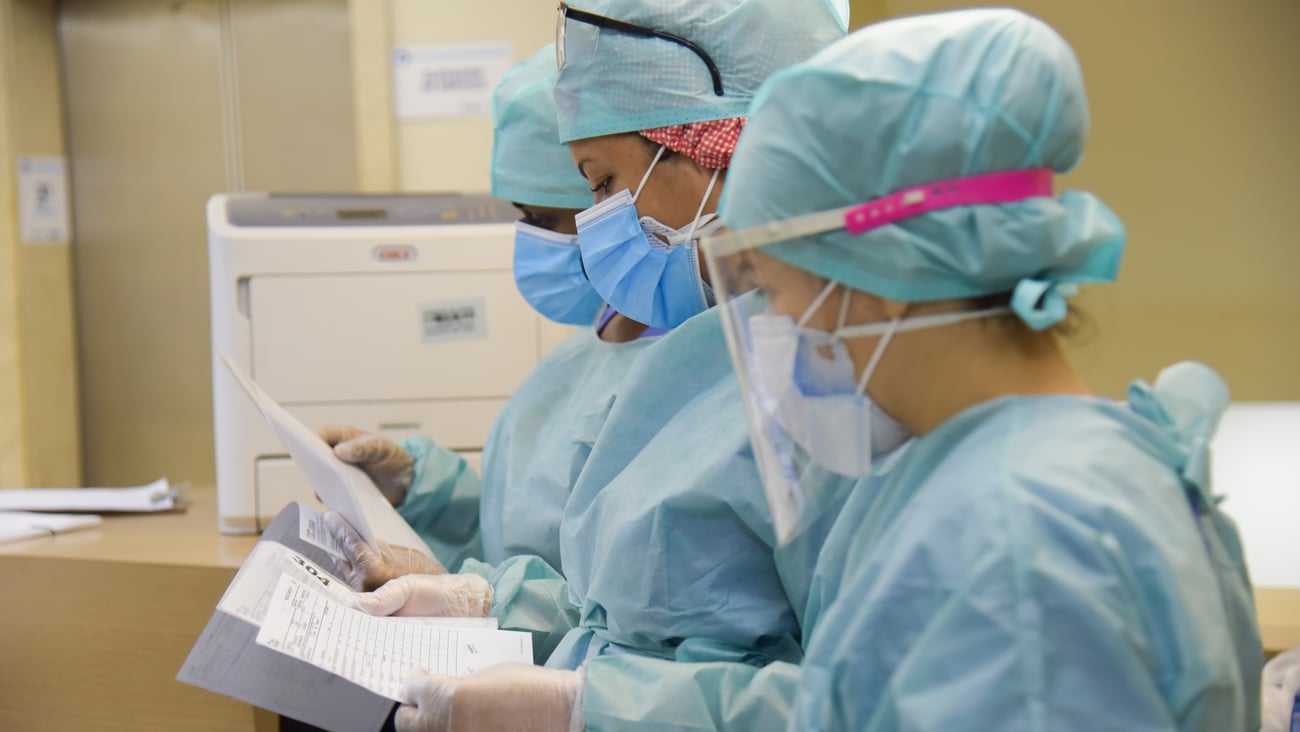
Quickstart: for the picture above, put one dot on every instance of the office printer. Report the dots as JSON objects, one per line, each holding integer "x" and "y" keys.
{"x": 394, "y": 313}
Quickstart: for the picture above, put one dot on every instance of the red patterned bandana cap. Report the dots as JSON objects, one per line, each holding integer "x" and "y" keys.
{"x": 708, "y": 143}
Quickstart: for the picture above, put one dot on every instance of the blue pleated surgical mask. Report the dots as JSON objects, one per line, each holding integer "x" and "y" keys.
{"x": 548, "y": 272}
{"x": 644, "y": 269}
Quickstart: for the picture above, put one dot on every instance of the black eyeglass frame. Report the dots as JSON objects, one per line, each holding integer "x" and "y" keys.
{"x": 619, "y": 26}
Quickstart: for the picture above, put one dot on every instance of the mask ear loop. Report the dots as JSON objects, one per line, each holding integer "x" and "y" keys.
{"x": 844, "y": 313}
{"x": 646, "y": 177}
{"x": 817, "y": 303}
{"x": 690, "y": 236}
{"x": 880, "y": 351}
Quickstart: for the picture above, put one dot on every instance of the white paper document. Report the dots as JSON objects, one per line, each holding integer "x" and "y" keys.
{"x": 157, "y": 496}
{"x": 226, "y": 658}
{"x": 342, "y": 487}
{"x": 374, "y": 652}
{"x": 17, "y": 525}
{"x": 250, "y": 593}
{"x": 312, "y": 529}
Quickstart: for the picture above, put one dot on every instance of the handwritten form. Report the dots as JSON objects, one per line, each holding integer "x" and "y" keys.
{"x": 227, "y": 659}
{"x": 251, "y": 592}
{"x": 378, "y": 653}
{"x": 253, "y": 589}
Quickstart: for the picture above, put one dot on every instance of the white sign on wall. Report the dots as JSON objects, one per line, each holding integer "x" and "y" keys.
{"x": 43, "y": 216}
{"x": 448, "y": 81}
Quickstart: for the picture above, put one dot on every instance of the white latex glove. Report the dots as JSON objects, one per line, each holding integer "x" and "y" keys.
{"x": 506, "y": 698}
{"x": 1281, "y": 682}
{"x": 388, "y": 465}
{"x": 426, "y": 595}
{"x": 366, "y": 568}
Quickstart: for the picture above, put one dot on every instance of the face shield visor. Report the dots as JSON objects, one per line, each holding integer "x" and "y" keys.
{"x": 804, "y": 396}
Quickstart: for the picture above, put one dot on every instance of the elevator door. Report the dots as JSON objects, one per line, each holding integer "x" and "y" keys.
{"x": 169, "y": 102}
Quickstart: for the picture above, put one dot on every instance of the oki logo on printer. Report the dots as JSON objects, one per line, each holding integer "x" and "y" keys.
{"x": 395, "y": 253}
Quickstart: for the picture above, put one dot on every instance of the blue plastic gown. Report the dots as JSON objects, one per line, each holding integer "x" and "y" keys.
{"x": 667, "y": 543}
{"x": 530, "y": 461}
{"x": 1041, "y": 564}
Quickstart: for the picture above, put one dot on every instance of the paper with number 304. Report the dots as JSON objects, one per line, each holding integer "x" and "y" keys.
{"x": 378, "y": 653}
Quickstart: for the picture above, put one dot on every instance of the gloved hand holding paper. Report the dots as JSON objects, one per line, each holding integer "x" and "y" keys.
{"x": 342, "y": 487}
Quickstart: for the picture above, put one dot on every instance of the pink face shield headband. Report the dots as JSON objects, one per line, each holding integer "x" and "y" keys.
{"x": 988, "y": 188}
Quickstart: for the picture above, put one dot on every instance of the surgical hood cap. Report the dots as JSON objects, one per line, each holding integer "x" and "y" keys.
{"x": 916, "y": 101}
{"x": 612, "y": 82}
{"x": 529, "y": 163}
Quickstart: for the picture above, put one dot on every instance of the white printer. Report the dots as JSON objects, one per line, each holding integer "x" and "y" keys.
{"x": 394, "y": 313}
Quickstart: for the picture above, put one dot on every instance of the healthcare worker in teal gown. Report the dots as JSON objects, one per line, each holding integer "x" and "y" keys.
{"x": 669, "y": 557}
{"x": 1040, "y": 558}
{"x": 532, "y": 455}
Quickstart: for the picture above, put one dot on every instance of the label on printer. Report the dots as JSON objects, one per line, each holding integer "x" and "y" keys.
{"x": 453, "y": 320}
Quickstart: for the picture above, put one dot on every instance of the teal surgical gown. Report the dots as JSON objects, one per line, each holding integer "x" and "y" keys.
{"x": 529, "y": 463}
{"x": 667, "y": 544}
{"x": 985, "y": 579}
{"x": 1039, "y": 564}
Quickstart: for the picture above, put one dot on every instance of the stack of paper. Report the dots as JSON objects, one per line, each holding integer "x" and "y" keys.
{"x": 285, "y": 637}
{"x": 157, "y": 496}
{"x": 33, "y": 512}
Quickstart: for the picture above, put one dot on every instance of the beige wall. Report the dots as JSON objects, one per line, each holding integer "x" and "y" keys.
{"x": 1195, "y": 106}
{"x": 39, "y": 435}
{"x": 12, "y": 459}
{"x": 450, "y": 154}
{"x": 372, "y": 30}
{"x": 864, "y": 12}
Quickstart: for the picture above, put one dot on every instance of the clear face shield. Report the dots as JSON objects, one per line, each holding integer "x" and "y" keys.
{"x": 809, "y": 422}
{"x": 810, "y": 416}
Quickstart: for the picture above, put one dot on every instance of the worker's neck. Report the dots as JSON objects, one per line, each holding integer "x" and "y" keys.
{"x": 622, "y": 330}
{"x": 926, "y": 377}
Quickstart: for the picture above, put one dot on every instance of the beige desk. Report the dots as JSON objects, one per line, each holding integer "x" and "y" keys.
{"x": 95, "y": 624}
{"x": 1279, "y": 618}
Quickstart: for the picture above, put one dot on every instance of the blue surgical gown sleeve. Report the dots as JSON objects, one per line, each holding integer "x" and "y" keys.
{"x": 442, "y": 504}
{"x": 529, "y": 595}
{"x": 630, "y": 692}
